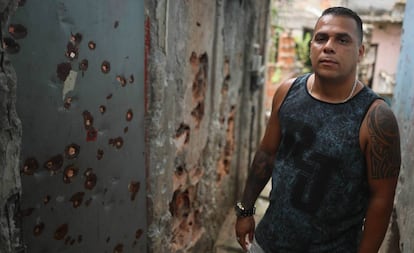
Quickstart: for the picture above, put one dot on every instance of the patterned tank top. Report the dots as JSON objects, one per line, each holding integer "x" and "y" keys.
{"x": 319, "y": 185}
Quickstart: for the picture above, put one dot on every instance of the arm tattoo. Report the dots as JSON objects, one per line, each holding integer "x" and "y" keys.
{"x": 259, "y": 174}
{"x": 385, "y": 143}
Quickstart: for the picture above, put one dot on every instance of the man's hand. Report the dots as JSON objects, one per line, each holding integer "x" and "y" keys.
{"x": 245, "y": 229}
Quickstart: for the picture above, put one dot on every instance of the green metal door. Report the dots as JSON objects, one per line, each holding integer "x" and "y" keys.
{"x": 80, "y": 75}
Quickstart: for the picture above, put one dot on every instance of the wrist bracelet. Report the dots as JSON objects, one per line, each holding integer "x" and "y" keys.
{"x": 241, "y": 211}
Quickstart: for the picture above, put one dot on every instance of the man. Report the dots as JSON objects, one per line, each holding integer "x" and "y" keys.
{"x": 332, "y": 149}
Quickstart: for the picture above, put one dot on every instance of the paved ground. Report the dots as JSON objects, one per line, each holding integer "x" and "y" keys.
{"x": 227, "y": 242}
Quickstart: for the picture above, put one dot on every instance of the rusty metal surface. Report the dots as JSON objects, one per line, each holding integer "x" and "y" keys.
{"x": 81, "y": 101}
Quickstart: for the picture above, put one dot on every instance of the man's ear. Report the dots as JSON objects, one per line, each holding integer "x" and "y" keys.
{"x": 361, "y": 52}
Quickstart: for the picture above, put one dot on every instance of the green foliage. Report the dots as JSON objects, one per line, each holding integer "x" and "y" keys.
{"x": 303, "y": 52}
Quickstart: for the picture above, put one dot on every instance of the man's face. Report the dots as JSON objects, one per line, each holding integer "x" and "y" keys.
{"x": 335, "y": 48}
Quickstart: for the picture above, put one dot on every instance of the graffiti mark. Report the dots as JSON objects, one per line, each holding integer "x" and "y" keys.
{"x": 109, "y": 96}
{"x": 30, "y": 166}
{"x": 133, "y": 188}
{"x": 126, "y": 130}
{"x": 116, "y": 24}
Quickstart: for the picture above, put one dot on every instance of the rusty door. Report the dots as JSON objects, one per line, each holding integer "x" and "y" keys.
{"x": 79, "y": 67}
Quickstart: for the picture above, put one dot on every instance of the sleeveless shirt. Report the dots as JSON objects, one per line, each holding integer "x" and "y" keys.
{"x": 319, "y": 190}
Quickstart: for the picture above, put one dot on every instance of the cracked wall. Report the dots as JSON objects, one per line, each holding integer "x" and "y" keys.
{"x": 203, "y": 113}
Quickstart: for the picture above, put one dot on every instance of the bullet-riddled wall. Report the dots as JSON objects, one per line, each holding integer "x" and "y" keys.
{"x": 204, "y": 114}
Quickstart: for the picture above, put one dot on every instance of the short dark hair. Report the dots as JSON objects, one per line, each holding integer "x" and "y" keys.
{"x": 342, "y": 11}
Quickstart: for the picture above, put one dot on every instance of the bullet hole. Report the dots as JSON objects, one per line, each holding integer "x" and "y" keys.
{"x": 108, "y": 239}
{"x": 61, "y": 232}
{"x": 200, "y": 79}
{"x": 17, "y": 31}
{"x": 11, "y": 46}
{"x": 99, "y": 154}
{"x": 83, "y": 65}
{"x": 72, "y": 151}
{"x": 63, "y": 70}
{"x": 198, "y": 24}
{"x": 129, "y": 115}
{"x": 21, "y": 3}
{"x": 54, "y": 163}
{"x": 198, "y": 113}
{"x": 105, "y": 67}
{"x": 26, "y": 212}
{"x": 193, "y": 59}
{"x": 91, "y": 45}
{"x": 117, "y": 142}
{"x": 90, "y": 181}
{"x": 38, "y": 229}
{"x": 68, "y": 102}
{"x": 46, "y": 200}
{"x": 138, "y": 234}
{"x": 119, "y": 248}
{"x": 87, "y": 119}
{"x": 121, "y": 80}
{"x": 76, "y": 38}
{"x": 71, "y": 51}
{"x": 91, "y": 134}
{"x": 126, "y": 130}
{"x": 102, "y": 109}
{"x": 77, "y": 199}
{"x": 30, "y": 166}
{"x": 131, "y": 79}
{"x": 180, "y": 204}
{"x": 179, "y": 171}
{"x": 109, "y": 96}
{"x": 133, "y": 188}
{"x": 69, "y": 173}
{"x": 116, "y": 24}
{"x": 184, "y": 129}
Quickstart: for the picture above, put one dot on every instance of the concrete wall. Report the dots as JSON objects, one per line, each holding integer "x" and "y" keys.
{"x": 10, "y": 138}
{"x": 388, "y": 38}
{"x": 403, "y": 106}
{"x": 203, "y": 115}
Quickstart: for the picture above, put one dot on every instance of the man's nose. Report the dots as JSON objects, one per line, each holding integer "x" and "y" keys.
{"x": 329, "y": 47}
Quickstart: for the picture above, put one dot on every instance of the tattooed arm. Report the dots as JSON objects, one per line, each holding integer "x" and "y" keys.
{"x": 381, "y": 144}
{"x": 262, "y": 166}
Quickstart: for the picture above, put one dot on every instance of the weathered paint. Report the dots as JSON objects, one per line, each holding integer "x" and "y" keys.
{"x": 202, "y": 112}
{"x": 81, "y": 100}
{"x": 403, "y": 105}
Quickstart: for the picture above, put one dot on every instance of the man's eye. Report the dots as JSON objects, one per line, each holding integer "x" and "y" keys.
{"x": 343, "y": 41}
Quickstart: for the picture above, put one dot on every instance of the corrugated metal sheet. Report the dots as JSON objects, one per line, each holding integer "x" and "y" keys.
{"x": 81, "y": 101}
